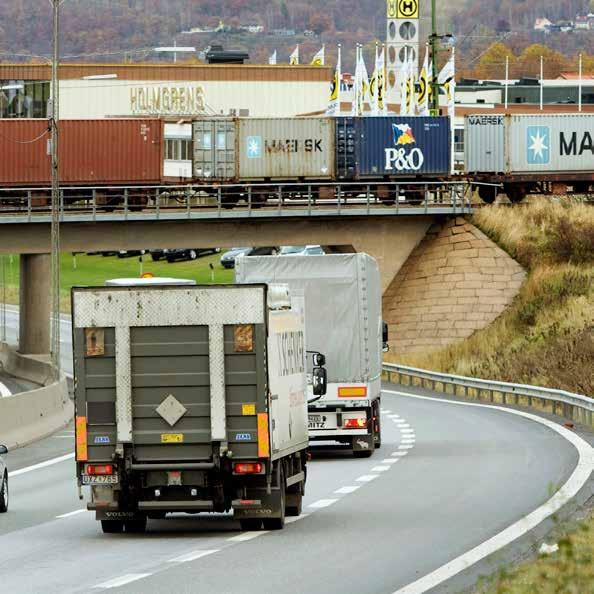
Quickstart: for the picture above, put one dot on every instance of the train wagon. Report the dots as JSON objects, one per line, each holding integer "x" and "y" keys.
{"x": 530, "y": 153}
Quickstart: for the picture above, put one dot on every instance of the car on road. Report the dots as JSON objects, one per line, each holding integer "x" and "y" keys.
{"x": 3, "y": 481}
{"x": 229, "y": 257}
{"x": 130, "y": 253}
{"x": 189, "y": 253}
{"x": 301, "y": 250}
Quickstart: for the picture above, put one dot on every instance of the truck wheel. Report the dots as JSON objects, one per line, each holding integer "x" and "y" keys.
{"x": 363, "y": 453}
{"x": 278, "y": 523}
{"x": 4, "y": 494}
{"x": 250, "y": 524}
{"x": 296, "y": 508}
{"x": 112, "y": 526}
{"x": 136, "y": 526}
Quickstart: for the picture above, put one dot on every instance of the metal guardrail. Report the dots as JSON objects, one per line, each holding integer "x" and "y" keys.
{"x": 221, "y": 201}
{"x": 575, "y": 406}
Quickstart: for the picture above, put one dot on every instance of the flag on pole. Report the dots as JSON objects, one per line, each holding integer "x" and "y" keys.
{"x": 410, "y": 88}
{"x": 447, "y": 79}
{"x": 373, "y": 97}
{"x": 381, "y": 83}
{"x": 294, "y": 57}
{"x": 318, "y": 59}
{"x": 402, "y": 83}
{"x": 424, "y": 87}
{"x": 334, "y": 103}
{"x": 356, "y": 85}
{"x": 361, "y": 85}
{"x": 272, "y": 58}
{"x": 364, "y": 94}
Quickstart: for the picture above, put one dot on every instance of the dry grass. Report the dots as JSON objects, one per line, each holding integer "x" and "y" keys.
{"x": 546, "y": 337}
{"x": 568, "y": 571}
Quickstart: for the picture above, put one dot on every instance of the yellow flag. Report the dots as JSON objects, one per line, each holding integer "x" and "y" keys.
{"x": 318, "y": 59}
{"x": 294, "y": 57}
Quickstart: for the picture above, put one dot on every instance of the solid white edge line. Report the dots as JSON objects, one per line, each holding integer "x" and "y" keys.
{"x": 73, "y": 513}
{"x": 40, "y": 465}
{"x": 574, "y": 484}
{"x": 122, "y": 581}
{"x": 4, "y": 391}
{"x": 193, "y": 556}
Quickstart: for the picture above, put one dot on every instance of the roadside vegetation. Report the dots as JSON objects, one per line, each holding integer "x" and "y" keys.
{"x": 83, "y": 269}
{"x": 546, "y": 337}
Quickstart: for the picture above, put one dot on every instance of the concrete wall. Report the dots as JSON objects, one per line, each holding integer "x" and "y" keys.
{"x": 30, "y": 416}
{"x": 455, "y": 282}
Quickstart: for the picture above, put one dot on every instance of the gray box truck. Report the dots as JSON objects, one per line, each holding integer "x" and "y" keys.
{"x": 343, "y": 321}
{"x": 190, "y": 399}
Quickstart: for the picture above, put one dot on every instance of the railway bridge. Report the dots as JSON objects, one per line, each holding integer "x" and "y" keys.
{"x": 388, "y": 232}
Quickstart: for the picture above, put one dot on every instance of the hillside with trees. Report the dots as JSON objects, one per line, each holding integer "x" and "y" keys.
{"x": 116, "y": 30}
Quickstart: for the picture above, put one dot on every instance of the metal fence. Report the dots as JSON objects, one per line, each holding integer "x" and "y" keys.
{"x": 238, "y": 201}
{"x": 566, "y": 404}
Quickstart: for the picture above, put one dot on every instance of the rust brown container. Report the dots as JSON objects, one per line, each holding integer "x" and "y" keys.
{"x": 110, "y": 151}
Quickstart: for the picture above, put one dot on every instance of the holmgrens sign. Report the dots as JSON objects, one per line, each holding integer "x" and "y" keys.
{"x": 399, "y": 158}
{"x": 167, "y": 100}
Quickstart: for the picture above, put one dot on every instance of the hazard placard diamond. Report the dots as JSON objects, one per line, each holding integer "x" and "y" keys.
{"x": 171, "y": 409}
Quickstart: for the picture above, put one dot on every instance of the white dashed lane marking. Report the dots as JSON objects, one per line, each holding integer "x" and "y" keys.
{"x": 322, "y": 503}
{"x": 247, "y": 536}
{"x": 406, "y": 446}
{"x": 122, "y": 580}
{"x": 389, "y": 460}
{"x": 72, "y": 513}
{"x": 192, "y": 556}
{"x": 398, "y": 454}
{"x": 347, "y": 490}
{"x": 366, "y": 478}
{"x": 380, "y": 468}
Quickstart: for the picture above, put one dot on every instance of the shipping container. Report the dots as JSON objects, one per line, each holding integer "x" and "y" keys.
{"x": 286, "y": 148}
{"x": 90, "y": 152}
{"x": 530, "y": 144}
{"x": 214, "y": 149}
{"x": 392, "y": 147}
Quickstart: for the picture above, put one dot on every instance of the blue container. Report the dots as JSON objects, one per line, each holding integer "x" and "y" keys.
{"x": 386, "y": 147}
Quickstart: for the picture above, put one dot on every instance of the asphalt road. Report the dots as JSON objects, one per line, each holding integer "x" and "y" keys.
{"x": 447, "y": 478}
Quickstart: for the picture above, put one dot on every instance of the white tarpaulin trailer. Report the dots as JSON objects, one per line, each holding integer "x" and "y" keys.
{"x": 343, "y": 321}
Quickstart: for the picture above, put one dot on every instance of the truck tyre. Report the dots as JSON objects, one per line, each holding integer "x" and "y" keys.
{"x": 363, "y": 453}
{"x": 136, "y": 526}
{"x": 4, "y": 494}
{"x": 278, "y": 523}
{"x": 250, "y": 524}
{"x": 112, "y": 526}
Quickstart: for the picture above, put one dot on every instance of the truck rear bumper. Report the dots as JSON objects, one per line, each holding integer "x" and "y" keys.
{"x": 332, "y": 433}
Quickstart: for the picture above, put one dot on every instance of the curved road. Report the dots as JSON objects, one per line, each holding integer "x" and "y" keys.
{"x": 447, "y": 478}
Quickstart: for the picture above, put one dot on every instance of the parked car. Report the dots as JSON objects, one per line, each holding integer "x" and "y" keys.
{"x": 189, "y": 253}
{"x": 3, "y": 481}
{"x": 301, "y": 250}
{"x": 228, "y": 258}
{"x": 157, "y": 255}
{"x": 130, "y": 253}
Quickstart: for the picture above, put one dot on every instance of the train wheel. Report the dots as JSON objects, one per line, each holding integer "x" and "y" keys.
{"x": 515, "y": 192}
{"x": 487, "y": 194}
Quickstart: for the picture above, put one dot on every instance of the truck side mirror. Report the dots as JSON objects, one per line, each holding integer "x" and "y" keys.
{"x": 385, "y": 345}
{"x": 319, "y": 381}
{"x": 319, "y": 360}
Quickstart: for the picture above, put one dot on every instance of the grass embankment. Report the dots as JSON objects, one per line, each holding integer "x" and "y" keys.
{"x": 546, "y": 337}
{"x": 95, "y": 270}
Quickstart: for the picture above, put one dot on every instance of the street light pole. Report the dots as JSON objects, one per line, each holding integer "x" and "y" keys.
{"x": 55, "y": 203}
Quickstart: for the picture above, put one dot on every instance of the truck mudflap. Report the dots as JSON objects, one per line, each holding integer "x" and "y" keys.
{"x": 363, "y": 443}
{"x": 262, "y": 505}
{"x": 117, "y": 515}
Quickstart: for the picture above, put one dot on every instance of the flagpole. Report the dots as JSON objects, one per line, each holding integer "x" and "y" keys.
{"x": 506, "y": 79}
{"x": 541, "y": 83}
{"x": 580, "y": 84}
{"x": 453, "y": 114}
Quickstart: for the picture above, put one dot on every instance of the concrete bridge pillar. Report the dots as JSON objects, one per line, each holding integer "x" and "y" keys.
{"x": 35, "y": 304}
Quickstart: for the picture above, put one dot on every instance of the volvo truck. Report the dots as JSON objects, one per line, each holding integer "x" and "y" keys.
{"x": 343, "y": 321}
{"x": 190, "y": 399}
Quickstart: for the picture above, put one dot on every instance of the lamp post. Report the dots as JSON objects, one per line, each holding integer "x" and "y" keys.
{"x": 433, "y": 41}
{"x": 55, "y": 201}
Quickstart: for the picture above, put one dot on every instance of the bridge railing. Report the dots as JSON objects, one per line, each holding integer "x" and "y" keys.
{"x": 218, "y": 200}
{"x": 559, "y": 402}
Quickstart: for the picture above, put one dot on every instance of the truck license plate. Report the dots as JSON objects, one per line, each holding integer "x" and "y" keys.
{"x": 316, "y": 422}
{"x": 172, "y": 437}
{"x": 109, "y": 479}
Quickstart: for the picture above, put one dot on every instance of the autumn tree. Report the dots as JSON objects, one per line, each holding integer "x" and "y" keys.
{"x": 553, "y": 62}
{"x": 492, "y": 63}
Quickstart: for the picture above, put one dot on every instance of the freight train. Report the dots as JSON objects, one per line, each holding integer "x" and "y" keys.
{"x": 236, "y": 157}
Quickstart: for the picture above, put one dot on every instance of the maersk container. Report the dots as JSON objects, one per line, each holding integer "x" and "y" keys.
{"x": 524, "y": 144}
{"x": 484, "y": 143}
{"x": 392, "y": 147}
{"x": 214, "y": 149}
{"x": 286, "y": 148}
{"x": 91, "y": 152}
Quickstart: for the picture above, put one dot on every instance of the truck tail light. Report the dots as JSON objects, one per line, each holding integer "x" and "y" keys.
{"x": 355, "y": 423}
{"x": 352, "y": 392}
{"x": 247, "y": 467}
{"x": 99, "y": 469}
